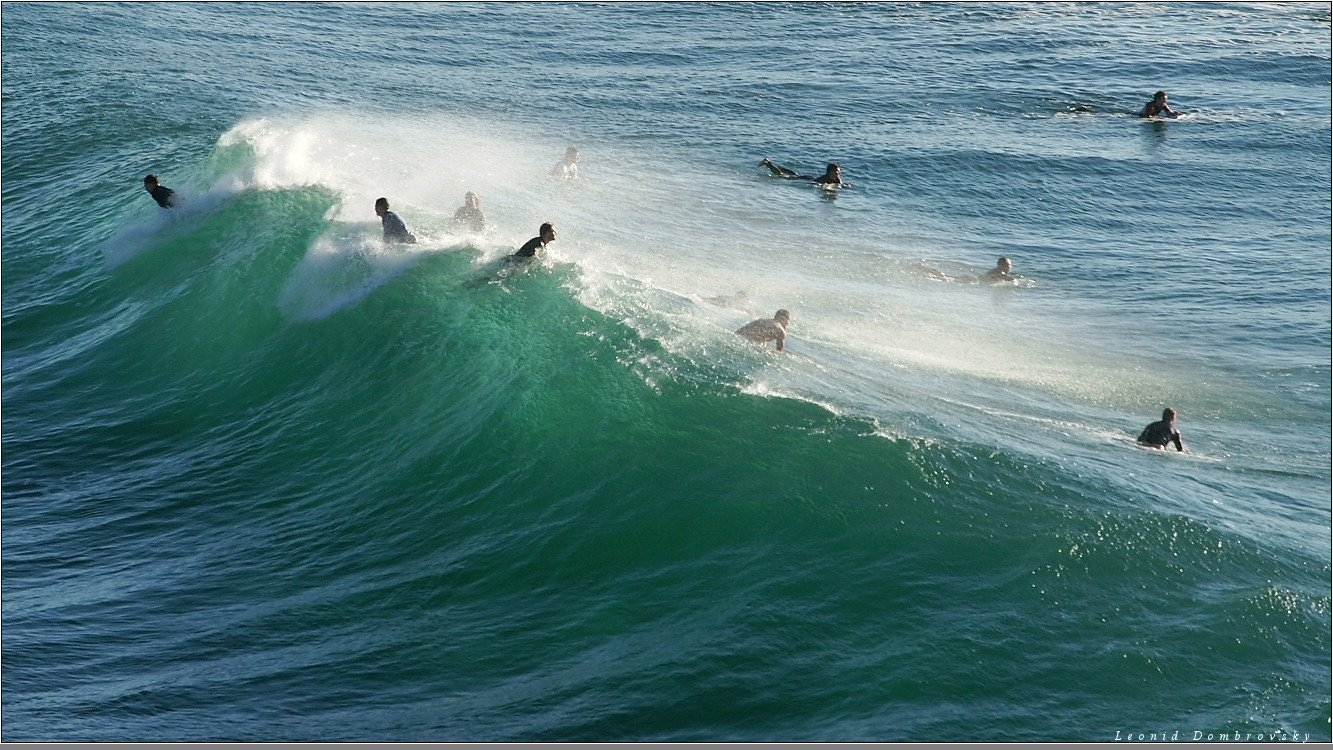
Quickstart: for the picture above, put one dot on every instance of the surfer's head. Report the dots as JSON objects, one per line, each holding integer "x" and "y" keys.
{"x": 150, "y": 182}
{"x": 547, "y": 232}
{"x": 471, "y": 200}
{"x": 381, "y": 206}
{"x": 1159, "y": 97}
{"x": 782, "y": 317}
{"x": 1168, "y": 415}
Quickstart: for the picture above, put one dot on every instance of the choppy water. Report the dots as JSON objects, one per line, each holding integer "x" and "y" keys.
{"x": 266, "y": 478}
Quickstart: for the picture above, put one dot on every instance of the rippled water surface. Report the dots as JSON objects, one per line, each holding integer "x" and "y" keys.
{"x": 268, "y": 478}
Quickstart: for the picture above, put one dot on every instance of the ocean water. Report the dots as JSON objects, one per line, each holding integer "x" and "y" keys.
{"x": 267, "y": 478}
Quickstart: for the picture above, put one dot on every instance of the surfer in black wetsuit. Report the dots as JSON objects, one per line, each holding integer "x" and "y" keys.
{"x": 832, "y": 173}
{"x": 1163, "y": 433}
{"x": 1158, "y": 107}
{"x": 394, "y": 228}
{"x": 545, "y": 236}
{"x": 165, "y": 196}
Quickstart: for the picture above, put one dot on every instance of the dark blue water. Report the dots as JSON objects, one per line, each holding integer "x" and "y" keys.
{"x": 268, "y": 478}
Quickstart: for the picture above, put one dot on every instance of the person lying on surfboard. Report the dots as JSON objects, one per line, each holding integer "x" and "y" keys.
{"x": 832, "y": 173}
{"x": 1158, "y": 107}
{"x": 469, "y": 218}
{"x": 765, "y": 330}
{"x": 394, "y": 228}
{"x": 165, "y": 196}
{"x": 567, "y": 167}
{"x": 545, "y": 236}
{"x": 1163, "y": 433}
{"x": 1002, "y": 271}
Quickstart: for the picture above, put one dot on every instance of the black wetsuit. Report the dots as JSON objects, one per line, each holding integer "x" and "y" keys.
{"x": 529, "y": 248}
{"x": 787, "y": 174}
{"x": 164, "y": 196}
{"x": 1160, "y": 434}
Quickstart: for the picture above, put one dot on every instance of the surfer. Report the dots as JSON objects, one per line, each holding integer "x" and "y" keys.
{"x": 469, "y": 217}
{"x": 1158, "y": 107}
{"x": 394, "y": 228}
{"x": 832, "y": 173}
{"x": 765, "y": 330}
{"x": 569, "y": 166}
{"x": 1001, "y": 272}
{"x": 545, "y": 236}
{"x": 165, "y": 196}
{"x": 1162, "y": 433}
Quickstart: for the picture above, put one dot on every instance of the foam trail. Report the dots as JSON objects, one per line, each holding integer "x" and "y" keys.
{"x": 164, "y": 225}
{"x": 340, "y": 269}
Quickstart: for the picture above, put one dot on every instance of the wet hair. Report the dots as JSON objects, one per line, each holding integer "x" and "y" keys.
{"x": 1169, "y": 414}
{"x": 150, "y": 180}
{"x": 834, "y": 164}
{"x": 544, "y": 229}
{"x": 1004, "y": 259}
{"x": 782, "y": 316}
{"x": 381, "y": 202}
{"x": 1159, "y": 95}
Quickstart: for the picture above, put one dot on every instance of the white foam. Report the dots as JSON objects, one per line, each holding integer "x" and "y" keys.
{"x": 166, "y": 224}
{"x": 656, "y": 234}
{"x": 340, "y": 269}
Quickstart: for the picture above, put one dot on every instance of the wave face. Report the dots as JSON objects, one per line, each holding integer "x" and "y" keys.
{"x": 267, "y": 478}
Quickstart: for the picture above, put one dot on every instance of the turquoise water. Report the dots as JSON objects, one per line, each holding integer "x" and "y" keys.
{"x": 265, "y": 478}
